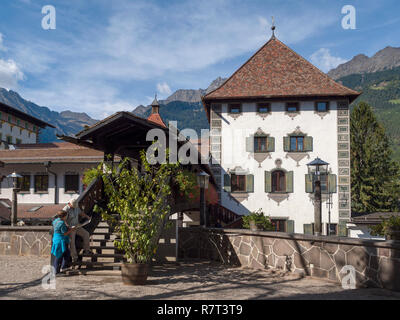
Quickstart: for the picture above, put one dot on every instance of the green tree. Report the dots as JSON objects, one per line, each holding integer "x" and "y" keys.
{"x": 374, "y": 175}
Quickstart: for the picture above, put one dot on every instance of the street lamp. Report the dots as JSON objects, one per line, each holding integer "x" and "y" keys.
{"x": 202, "y": 180}
{"x": 14, "y": 176}
{"x": 315, "y": 168}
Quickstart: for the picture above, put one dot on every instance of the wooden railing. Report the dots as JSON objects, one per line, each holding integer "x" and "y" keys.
{"x": 93, "y": 194}
{"x": 224, "y": 215}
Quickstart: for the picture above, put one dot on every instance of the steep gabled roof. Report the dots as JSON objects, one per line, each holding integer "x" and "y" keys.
{"x": 276, "y": 71}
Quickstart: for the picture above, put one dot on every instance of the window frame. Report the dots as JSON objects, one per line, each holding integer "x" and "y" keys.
{"x": 263, "y": 105}
{"x": 231, "y": 106}
{"x": 22, "y": 182}
{"x": 42, "y": 190}
{"x": 321, "y": 111}
{"x": 297, "y": 143}
{"x": 277, "y": 223}
{"x": 71, "y": 190}
{"x": 292, "y": 104}
{"x": 336, "y": 229}
{"x": 265, "y": 138}
{"x": 275, "y": 183}
{"x": 237, "y": 177}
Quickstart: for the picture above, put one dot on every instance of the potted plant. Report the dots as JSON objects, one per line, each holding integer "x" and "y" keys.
{"x": 257, "y": 221}
{"x": 138, "y": 207}
{"x": 390, "y": 228}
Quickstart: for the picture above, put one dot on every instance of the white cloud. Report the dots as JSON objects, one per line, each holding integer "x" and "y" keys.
{"x": 164, "y": 88}
{"x": 90, "y": 68}
{"x": 10, "y": 74}
{"x": 325, "y": 61}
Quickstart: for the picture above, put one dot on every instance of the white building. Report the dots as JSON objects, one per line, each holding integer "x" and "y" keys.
{"x": 274, "y": 115}
{"x": 51, "y": 176}
{"x": 17, "y": 127}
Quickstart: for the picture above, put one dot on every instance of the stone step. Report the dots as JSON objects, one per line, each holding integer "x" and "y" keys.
{"x": 102, "y": 230}
{"x": 115, "y": 273}
{"x": 102, "y": 243}
{"x": 97, "y": 265}
{"x": 103, "y": 224}
{"x": 104, "y": 255}
{"x": 102, "y": 248}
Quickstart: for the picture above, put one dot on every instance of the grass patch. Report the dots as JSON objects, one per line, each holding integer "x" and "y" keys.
{"x": 395, "y": 101}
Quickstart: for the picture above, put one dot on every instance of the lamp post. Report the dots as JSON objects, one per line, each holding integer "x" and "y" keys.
{"x": 315, "y": 168}
{"x": 202, "y": 180}
{"x": 14, "y": 176}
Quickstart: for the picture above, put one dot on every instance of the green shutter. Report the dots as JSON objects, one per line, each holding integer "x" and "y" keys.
{"x": 268, "y": 181}
{"x": 332, "y": 183}
{"x": 290, "y": 226}
{"x": 342, "y": 230}
{"x": 270, "y": 144}
{"x": 250, "y": 183}
{"x": 308, "y": 144}
{"x": 227, "y": 182}
{"x": 289, "y": 181}
{"x": 309, "y": 183}
{"x": 286, "y": 144}
{"x": 308, "y": 228}
{"x": 250, "y": 144}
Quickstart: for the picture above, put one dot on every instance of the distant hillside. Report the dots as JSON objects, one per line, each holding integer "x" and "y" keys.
{"x": 66, "y": 122}
{"x": 382, "y": 91}
{"x": 384, "y": 59}
{"x": 185, "y": 107}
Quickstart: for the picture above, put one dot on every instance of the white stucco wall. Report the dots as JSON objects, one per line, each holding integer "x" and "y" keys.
{"x": 298, "y": 207}
{"x": 32, "y": 169}
{"x": 17, "y": 133}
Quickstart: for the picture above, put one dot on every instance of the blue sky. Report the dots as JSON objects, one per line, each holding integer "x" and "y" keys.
{"x": 105, "y": 56}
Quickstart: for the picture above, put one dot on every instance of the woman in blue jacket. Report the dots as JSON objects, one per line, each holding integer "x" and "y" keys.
{"x": 60, "y": 249}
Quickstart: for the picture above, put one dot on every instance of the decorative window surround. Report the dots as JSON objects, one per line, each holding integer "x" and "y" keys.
{"x": 292, "y": 114}
{"x": 297, "y": 155}
{"x": 322, "y": 114}
{"x": 263, "y": 115}
{"x": 260, "y": 156}
{"x": 278, "y": 197}
{"x": 232, "y": 114}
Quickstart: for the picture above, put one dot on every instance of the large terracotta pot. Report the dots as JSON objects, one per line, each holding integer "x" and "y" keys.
{"x": 254, "y": 226}
{"x": 134, "y": 273}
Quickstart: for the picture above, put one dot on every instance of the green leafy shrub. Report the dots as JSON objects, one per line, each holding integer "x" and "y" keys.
{"x": 386, "y": 227}
{"x": 139, "y": 203}
{"x": 262, "y": 221}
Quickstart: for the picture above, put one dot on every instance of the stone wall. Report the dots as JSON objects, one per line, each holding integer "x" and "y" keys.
{"x": 377, "y": 263}
{"x": 25, "y": 241}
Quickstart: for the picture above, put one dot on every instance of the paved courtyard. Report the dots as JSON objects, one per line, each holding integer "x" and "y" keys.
{"x": 21, "y": 278}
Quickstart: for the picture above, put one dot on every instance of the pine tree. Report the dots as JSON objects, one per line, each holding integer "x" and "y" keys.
{"x": 374, "y": 175}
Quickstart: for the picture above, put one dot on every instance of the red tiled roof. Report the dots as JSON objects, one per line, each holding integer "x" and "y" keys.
{"x": 277, "y": 71}
{"x": 45, "y": 211}
{"x": 155, "y": 117}
{"x": 64, "y": 152}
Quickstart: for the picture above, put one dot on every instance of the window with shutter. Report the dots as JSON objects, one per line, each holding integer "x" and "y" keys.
{"x": 238, "y": 183}
{"x": 278, "y": 181}
{"x": 250, "y": 183}
{"x": 309, "y": 183}
{"x": 260, "y": 144}
{"x": 271, "y": 144}
{"x": 267, "y": 181}
{"x": 250, "y": 144}
{"x": 289, "y": 182}
{"x": 286, "y": 144}
{"x": 308, "y": 228}
{"x": 332, "y": 183}
{"x": 290, "y": 226}
{"x": 308, "y": 144}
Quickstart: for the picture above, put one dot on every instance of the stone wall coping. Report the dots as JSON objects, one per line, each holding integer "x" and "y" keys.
{"x": 304, "y": 237}
{"x": 25, "y": 228}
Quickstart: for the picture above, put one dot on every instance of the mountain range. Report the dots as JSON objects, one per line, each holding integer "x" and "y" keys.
{"x": 378, "y": 77}
{"x": 384, "y": 59}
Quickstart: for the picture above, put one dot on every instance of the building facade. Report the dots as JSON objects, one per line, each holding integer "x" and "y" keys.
{"x": 274, "y": 115}
{"x": 51, "y": 176}
{"x": 17, "y": 127}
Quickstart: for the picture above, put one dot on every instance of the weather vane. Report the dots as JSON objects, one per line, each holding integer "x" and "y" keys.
{"x": 273, "y": 27}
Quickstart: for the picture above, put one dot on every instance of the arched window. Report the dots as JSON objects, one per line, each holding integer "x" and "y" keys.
{"x": 278, "y": 181}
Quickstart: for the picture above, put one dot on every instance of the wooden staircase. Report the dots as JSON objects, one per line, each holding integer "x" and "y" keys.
{"x": 105, "y": 255}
